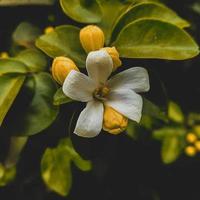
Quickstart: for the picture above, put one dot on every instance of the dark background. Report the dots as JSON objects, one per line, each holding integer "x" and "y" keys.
{"x": 123, "y": 168}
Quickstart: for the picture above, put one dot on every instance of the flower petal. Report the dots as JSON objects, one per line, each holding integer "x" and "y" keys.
{"x": 99, "y": 66}
{"x": 90, "y": 121}
{"x": 135, "y": 78}
{"x": 126, "y": 102}
{"x": 78, "y": 86}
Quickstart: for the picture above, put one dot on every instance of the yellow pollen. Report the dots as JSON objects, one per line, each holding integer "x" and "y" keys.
{"x": 101, "y": 92}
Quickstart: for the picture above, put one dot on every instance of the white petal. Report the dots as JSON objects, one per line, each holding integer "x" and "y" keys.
{"x": 78, "y": 86}
{"x": 99, "y": 65}
{"x": 126, "y": 102}
{"x": 135, "y": 78}
{"x": 90, "y": 121}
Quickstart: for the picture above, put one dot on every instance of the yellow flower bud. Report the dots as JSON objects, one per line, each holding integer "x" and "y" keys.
{"x": 112, "y": 51}
{"x": 4, "y": 55}
{"x": 48, "y": 29}
{"x": 61, "y": 67}
{"x": 114, "y": 122}
{"x": 190, "y": 151}
{"x": 92, "y": 38}
{"x": 197, "y": 145}
{"x": 191, "y": 137}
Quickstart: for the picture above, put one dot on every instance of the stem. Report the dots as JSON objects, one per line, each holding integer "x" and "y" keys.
{"x": 16, "y": 146}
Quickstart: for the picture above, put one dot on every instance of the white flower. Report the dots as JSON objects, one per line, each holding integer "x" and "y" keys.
{"x": 119, "y": 92}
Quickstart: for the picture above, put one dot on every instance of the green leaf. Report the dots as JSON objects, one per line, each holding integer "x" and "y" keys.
{"x": 151, "y": 10}
{"x": 56, "y": 172}
{"x": 9, "y": 87}
{"x": 11, "y": 65}
{"x": 82, "y": 164}
{"x": 152, "y": 110}
{"x": 85, "y": 11}
{"x": 56, "y": 167}
{"x": 60, "y": 98}
{"x": 168, "y": 132}
{"x": 196, "y": 7}
{"x": 26, "y": 34}
{"x": 132, "y": 129}
{"x": 193, "y": 119}
{"x": 25, "y": 2}
{"x": 40, "y": 112}
{"x": 7, "y": 175}
{"x": 111, "y": 12}
{"x": 33, "y": 59}
{"x": 150, "y": 38}
{"x": 171, "y": 149}
{"x": 175, "y": 113}
{"x": 64, "y": 41}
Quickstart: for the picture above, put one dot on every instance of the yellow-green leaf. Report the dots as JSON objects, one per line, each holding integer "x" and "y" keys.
{"x": 150, "y": 38}
{"x": 85, "y": 11}
{"x": 60, "y": 98}
{"x": 63, "y": 41}
{"x": 150, "y": 10}
{"x": 11, "y": 65}
{"x": 175, "y": 113}
{"x": 9, "y": 86}
{"x": 33, "y": 59}
{"x": 56, "y": 166}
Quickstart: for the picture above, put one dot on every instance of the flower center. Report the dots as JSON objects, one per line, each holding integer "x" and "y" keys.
{"x": 101, "y": 92}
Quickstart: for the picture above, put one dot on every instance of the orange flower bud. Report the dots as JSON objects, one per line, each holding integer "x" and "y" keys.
{"x": 61, "y": 67}
{"x": 113, "y": 121}
{"x": 112, "y": 51}
{"x": 91, "y": 38}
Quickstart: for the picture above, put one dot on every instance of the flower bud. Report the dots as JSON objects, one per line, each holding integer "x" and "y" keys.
{"x": 61, "y": 67}
{"x": 112, "y": 51}
{"x": 197, "y": 145}
{"x": 190, "y": 151}
{"x": 191, "y": 137}
{"x": 4, "y": 55}
{"x": 92, "y": 38}
{"x": 113, "y": 121}
{"x": 48, "y": 29}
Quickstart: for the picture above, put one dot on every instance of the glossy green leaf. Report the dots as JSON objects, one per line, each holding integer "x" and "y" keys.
{"x": 12, "y": 66}
{"x": 175, "y": 113}
{"x": 56, "y": 167}
{"x": 149, "y": 10}
{"x": 171, "y": 149}
{"x": 111, "y": 12}
{"x": 149, "y": 38}
{"x": 40, "y": 112}
{"x": 26, "y": 34}
{"x": 60, "y": 98}
{"x": 9, "y": 87}
{"x": 33, "y": 59}
{"x": 85, "y": 11}
{"x": 64, "y": 41}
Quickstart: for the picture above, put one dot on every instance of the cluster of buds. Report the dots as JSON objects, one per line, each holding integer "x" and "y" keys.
{"x": 92, "y": 38}
{"x": 193, "y": 146}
